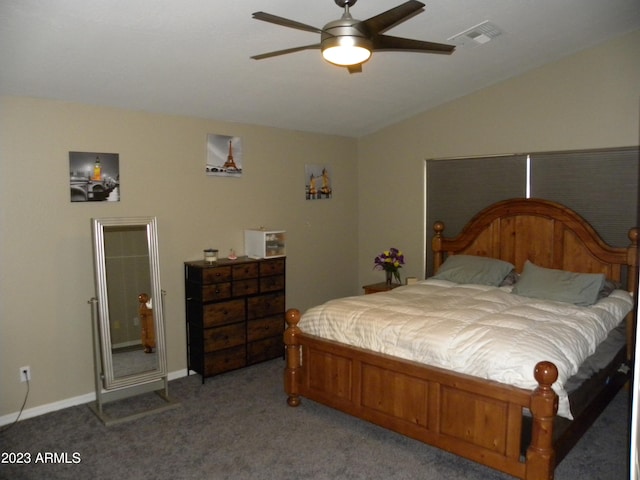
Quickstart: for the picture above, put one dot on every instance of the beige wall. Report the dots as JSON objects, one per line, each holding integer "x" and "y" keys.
{"x": 588, "y": 100}
{"x": 46, "y": 270}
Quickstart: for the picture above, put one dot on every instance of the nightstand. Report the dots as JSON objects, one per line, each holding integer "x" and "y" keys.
{"x": 379, "y": 287}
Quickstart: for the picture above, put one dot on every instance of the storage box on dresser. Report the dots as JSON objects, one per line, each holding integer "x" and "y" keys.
{"x": 262, "y": 243}
{"x": 235, "y": 313}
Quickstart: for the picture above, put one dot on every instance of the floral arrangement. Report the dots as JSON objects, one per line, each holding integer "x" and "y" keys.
{"x": 390, "y": 261}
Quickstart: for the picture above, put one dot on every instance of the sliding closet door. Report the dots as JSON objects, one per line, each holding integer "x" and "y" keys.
{"x": 458, "y": 188}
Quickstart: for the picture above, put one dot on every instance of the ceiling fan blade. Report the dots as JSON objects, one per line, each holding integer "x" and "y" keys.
{"x": 387, "y": 42}
{"x": 285, "y": 22}
{"x": 285, "y": 51}
{"x": 385, "y": 20}
{"x": 357, "y": 68}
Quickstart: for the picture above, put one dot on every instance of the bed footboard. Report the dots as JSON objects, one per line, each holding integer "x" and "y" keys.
{"x": 474, "y": 418}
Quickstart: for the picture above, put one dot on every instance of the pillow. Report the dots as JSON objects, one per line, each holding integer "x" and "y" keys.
{"x": 474, "y": 269}
{"x": 559, "y": 285}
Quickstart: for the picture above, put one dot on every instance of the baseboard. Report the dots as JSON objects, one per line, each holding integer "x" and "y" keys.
{"x": 66, "y": 403}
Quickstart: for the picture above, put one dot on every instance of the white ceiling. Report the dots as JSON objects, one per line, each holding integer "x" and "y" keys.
{"x": 191, "y": 57}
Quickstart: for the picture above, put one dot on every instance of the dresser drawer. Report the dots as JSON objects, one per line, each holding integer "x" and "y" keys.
{"x": 207, "y": 292}
{"x": 265, "y": 305}
{"x": 216, "y": 291}
{"x": 265, "y": 349}
{"x": 265, "y": 327}
{"x": 246, "y": 270}
{"x": 224, "y": 360}
{"x": 245, "y": 287}
{"x": 216, "y": 275}
{"x": 272, "y": 283}
{"x": 223, "y": 313}
{"x": 272, "y": 267}
{"x": 219, "y": 338}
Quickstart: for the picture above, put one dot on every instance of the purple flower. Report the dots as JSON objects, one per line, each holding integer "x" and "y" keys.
{"x": 390, "y": 260}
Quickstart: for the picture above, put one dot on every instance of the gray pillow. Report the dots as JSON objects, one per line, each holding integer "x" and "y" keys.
{"x": 559, "y": 285}
{"x": 474, "y": 269}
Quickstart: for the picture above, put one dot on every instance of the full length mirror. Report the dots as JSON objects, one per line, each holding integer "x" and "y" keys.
{"x": 129, "y": 301}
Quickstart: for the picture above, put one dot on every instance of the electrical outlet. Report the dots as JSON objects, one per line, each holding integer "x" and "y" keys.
{"x": 25, "y": 373}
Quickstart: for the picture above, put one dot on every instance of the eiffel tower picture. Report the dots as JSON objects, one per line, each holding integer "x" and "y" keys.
{"x": 224, "y": 156}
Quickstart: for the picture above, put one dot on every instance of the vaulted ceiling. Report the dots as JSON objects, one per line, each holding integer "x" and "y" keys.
{"x": 192, "y": 57}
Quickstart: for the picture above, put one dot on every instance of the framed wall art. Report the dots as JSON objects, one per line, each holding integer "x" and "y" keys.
{"x": 317, "y": 182}
{"x": 94, "y": 177}
{"x": 224, "y": 156}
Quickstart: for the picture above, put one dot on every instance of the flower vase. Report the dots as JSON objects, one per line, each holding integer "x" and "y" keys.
{"x": 388, "y": 276}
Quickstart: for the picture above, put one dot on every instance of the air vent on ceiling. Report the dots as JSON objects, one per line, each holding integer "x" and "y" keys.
{"x": 478, "y": 35}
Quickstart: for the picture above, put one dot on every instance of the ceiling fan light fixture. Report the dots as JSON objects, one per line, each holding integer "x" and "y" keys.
{"x": 348, "y": 42}
{"x": 346, "y": 50}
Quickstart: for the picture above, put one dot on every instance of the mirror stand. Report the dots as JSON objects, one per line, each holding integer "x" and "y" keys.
{"x": 128, "y": 326}
{"x": 159, "y": 386}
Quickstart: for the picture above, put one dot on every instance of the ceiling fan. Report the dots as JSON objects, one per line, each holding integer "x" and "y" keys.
{"x": 349, "y": 42}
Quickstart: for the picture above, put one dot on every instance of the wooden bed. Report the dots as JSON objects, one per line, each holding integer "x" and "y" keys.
{"x": 477, "y": 419}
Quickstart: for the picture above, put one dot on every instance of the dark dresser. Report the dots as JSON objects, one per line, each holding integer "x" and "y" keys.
{"x": 234, "y": 312}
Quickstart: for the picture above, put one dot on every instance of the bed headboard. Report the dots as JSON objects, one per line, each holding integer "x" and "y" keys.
{"x": 543, "y": 232}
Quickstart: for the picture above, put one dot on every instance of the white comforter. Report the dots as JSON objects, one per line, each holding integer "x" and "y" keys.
{"x": 483, "y": 331}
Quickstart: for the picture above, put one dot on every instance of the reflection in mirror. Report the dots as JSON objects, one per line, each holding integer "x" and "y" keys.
{"x": 129, "y": 341}
{"x": 128, "y": 278}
